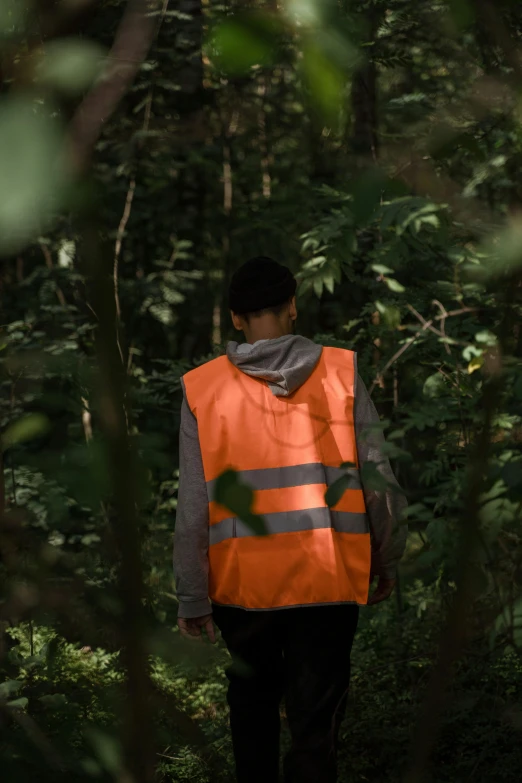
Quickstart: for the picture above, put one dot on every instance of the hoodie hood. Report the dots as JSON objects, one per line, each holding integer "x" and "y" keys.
{"x": 285, "y": 363}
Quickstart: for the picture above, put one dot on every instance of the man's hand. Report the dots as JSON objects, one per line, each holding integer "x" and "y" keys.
{"x": 191, "y": 627}
{"x": 383, "y": 591}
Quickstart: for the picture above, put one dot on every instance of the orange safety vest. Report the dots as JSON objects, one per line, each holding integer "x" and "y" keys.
{"x": 289, "y": 450}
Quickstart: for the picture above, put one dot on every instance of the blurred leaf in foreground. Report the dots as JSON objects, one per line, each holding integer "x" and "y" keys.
{"x": 336, "y": 490}
{"x": 239, "y": 499}
{"x": 9, "y": 688}
{"x": 28, "y": 427}
{"x": 70, "y": 65}
{"x": 33, "y": 171}
{"x": 240, "y": 42}
{"x": 107, "y": 749}
{"x": 391, "y": 315}
{"x": 304, "y": 12}
{"x": 18, "y": 704}
{"x": 328, "y": 60}
{"x": 503, "y": 254}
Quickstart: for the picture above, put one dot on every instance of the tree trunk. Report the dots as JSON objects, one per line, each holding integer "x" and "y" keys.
{"x": 364, "y": 140}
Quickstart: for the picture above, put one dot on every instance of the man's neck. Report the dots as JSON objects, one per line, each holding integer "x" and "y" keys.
{"x": 265, "y": 333}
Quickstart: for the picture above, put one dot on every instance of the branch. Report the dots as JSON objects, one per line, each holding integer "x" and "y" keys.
{"x": 127, "y": 210}
{"x": 129, "y": 50}
{"x": 117, "y": 250}
{"x": 86, "y": 420}
{"x": 425, "y": 325}
{"x": 398, "y": 355}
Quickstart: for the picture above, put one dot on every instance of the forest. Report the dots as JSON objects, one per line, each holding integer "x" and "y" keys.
{"x": 147, "y": 149}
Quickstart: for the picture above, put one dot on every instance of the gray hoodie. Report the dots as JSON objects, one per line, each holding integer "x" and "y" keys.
{"x": 285, "y": 364}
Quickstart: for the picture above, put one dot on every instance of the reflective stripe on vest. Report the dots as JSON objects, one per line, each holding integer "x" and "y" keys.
{"x": 292, "y": 476}
{"x": 290, "y": 522}
{"x": 289, "y": 451}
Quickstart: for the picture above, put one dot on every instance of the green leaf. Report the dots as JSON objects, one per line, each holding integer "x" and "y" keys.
{"x": 381, "y": 269}
{"x": 34, "y": 425}
{"x": 486, "y": 337}
{"x": 53, "y": 700}
{"x": 231, "y": 493}
{"x": 329, "y": 283}
{"x": 255, "y": 523}
{"x": 8, "y": 688}
{"x": 163, "y": 313}
{"x": 475, "y": 364}
{"x": 325, "y": 81}
{"x": 243, "y": 41}
{"x": 318, "y": 287}
{"x": 434, "y": 386}
{"x": 18, "y": 704}
{"x": 394, "y": 285}
{"x": 504, "y": 251}
{"x": 391, "y": 315}
{"x": 70, "y": 65}
{"x": 336, "y": 490}
{"x": 471, "y": 351}
{"x": 372, "y": 478}
{"x": 353, "y": 322}
{"x": 33, "y": 171}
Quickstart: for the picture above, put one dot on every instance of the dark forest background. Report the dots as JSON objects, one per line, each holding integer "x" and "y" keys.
{"x": 146, "y": 150}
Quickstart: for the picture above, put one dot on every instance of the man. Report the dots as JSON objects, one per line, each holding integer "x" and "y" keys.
{"x": 289, "y": 416}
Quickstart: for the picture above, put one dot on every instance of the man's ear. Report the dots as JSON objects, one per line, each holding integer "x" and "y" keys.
{"x": 292, "y": 312}
{"x": 237, "y": 321}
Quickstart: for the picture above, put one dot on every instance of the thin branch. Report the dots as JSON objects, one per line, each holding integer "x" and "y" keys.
{"x": 129, "y": 359}
{"x": 444, "y": 315}
{"x": 263, "y": 139}
{"x": 426, "y": 325}
{"x": 125, "y": 218}
{"x": 450, "y": 379}
{"x": 397, "y": 355}
{"x": 86, "y": 420}
{"x": 91, "y": 309}
{"x": 423, "y": 321}
{"x": 117, "y": 250}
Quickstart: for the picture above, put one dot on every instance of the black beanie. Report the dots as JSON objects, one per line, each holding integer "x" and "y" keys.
{"x": 259, "y": 284}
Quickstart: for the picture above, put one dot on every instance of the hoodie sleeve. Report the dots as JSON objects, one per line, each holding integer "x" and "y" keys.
{"x": 384, "y": 507}
{"x": 191, "y": 530}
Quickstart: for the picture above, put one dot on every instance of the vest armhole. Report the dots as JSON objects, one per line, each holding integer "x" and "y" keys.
{"x": 198, "y": 381}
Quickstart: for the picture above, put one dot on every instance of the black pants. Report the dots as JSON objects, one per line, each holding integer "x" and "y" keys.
{"x": 302, "y": 654}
